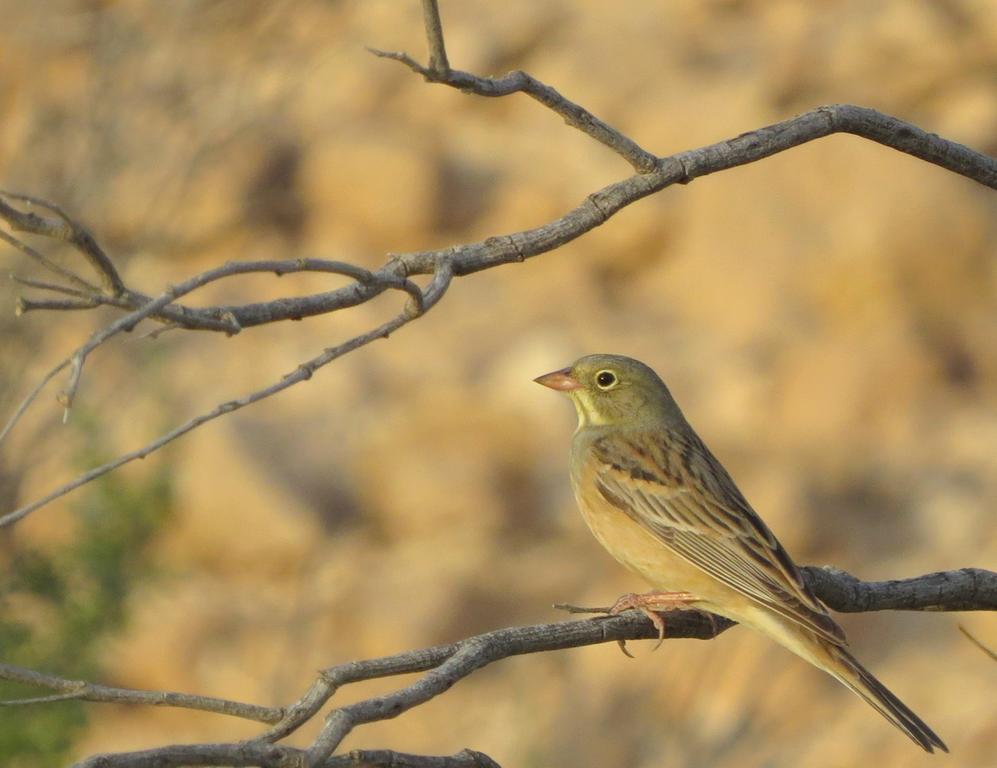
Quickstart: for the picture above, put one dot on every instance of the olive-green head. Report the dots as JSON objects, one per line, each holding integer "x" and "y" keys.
{"x": 612, "y": 390}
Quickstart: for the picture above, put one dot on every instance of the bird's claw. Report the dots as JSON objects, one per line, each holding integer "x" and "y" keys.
{"x": 663, "y": 601}
{"x": 623, "y": 647}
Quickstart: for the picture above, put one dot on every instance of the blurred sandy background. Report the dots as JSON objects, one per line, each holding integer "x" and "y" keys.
{"x": 827, "y": 319}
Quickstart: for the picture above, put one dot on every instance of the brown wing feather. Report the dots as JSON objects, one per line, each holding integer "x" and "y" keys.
{"x": 678, "y": 491}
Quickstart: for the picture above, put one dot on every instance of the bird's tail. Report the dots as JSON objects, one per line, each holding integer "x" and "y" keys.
{"x": 857, "y": 678}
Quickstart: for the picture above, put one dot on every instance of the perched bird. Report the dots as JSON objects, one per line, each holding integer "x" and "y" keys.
{"x": 661, "y": 503}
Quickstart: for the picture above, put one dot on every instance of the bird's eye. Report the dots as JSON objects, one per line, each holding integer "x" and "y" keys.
{"x": 606, "y": 380}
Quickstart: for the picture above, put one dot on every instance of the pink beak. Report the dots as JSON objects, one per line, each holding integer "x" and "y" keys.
{"x": 561, "y": 380}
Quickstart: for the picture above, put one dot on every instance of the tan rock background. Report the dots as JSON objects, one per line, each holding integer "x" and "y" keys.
{"x": 827, "y": 318}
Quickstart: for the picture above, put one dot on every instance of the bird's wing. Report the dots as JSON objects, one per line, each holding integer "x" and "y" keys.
{"x": 678, "y": 491}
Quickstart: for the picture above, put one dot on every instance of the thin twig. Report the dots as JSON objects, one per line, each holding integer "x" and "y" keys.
{"x": 302, "y": 373}
{"x": 42, "y": 285}
{"x": 29, "y": 305}
{"x": 724, "y": 155}
{"x": 153, "y": 306}
{"x": 30, "y": 398}
{"x": 68, "y": 230}
{"x": 579, "y": 609}
{"x": 989, "y": 652}
{"x": 84, "y": 691}
{"x": 433, "y": 293}
{"x": 434, "y": 36}
{"x": 518, "y": 81}
{"x": 46, "y": 262}
{"x": 74, "y": 696}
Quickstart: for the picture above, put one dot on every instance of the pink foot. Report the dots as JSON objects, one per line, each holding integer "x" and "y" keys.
{"x": 651, "y": 604}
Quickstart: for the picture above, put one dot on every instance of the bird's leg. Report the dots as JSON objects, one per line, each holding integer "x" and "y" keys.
{"x": 651, "y": 604}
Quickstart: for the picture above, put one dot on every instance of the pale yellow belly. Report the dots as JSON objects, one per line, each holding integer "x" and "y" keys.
{"x": 642, "y": 553}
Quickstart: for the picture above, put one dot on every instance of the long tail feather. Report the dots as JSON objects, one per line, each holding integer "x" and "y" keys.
{"x": 857, "y": 678}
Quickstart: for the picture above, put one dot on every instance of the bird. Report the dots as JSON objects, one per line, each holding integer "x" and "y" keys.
{"x": 661, "y": 503}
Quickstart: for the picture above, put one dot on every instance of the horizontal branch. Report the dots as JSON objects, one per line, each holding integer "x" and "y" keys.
{"x": 967, "y": 589}
{"x": 448, "y": 664}
{"x": 445, "y": 665}
{"x": 277, "y": 756}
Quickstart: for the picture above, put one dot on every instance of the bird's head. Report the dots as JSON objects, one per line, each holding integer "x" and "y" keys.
{"x": 612, "y": 390}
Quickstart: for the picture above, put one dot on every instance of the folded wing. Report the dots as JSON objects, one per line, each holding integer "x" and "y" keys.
{"x": 677, "y": 490}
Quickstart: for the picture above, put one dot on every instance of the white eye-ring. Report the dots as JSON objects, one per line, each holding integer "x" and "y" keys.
{"x": 606, "y": 380}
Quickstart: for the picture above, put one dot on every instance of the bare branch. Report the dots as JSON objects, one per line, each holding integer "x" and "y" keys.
{"x": 654, "y": 174}
{"x": 30, "y": 398}
{"x": 686, "y": 166}
{"x": 41, "y": 285}
{"x": 39, "y": 700}
{"x": 520, "y": 82}
{"x": 433, "y": 293}
{"x": 451, "y": 663}
{"x": 153, "y": 307}
{"x": 746, "y": 148}
{"x": 596, "y": 209}
{"x": 129, "y": 321}
{"x": 434, "y": 36}
{"x": 302, "y": 373}
{"x": 50, "y": 265}
{"x": 369, "y": 284}
{"x": 445, "y": 665}
{"x": 93, "y": 299}
{"x": 65, "y": 229}
{"x": 28, "y": 305}
{"x": 84, "y": 691}
{"x": 182, "y": 755}
{"x": 277, "y": 756}
{"x": 967, "y": 589}
{"x": 373, "y": 758}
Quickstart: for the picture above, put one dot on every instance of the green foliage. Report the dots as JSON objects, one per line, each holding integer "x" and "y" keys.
{"x": 57, "y": 606}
